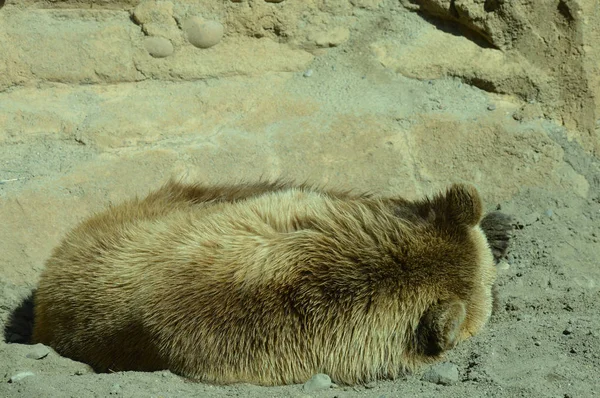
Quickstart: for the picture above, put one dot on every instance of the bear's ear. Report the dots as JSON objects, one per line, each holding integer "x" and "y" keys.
{"x": 460, "y": 203}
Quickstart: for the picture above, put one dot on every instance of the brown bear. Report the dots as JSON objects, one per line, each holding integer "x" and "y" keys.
{"x": 270, "y": 283}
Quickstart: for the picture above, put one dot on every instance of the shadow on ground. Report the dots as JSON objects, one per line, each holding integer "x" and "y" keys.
{"x": 19, "y": 326}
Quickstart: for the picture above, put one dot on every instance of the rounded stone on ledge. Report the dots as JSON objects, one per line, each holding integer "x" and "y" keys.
{"x": 20, "y": 376}
{"x": 201, "y": 33}
{"x": 443, "y": 373}
{"x": 318, "y": 382}
{"x": 38, "y": 351}
{"x": 158, "y": 47}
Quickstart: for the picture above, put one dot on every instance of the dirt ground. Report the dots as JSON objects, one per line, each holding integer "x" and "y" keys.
{"x": 396, "y": 97}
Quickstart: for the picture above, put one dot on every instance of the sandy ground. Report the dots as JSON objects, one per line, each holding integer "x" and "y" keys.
{"x": 372, "y": 98}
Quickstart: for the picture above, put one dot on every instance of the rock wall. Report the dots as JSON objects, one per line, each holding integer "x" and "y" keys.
{"x": 547, "y": 55}
{"x": 100, "y": 100}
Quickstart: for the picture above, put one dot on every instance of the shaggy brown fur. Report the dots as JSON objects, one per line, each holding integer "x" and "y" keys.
{"x": 269, "y": 283}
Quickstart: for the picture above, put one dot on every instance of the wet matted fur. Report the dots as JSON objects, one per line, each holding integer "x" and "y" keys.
{"x": 270, "y": 283}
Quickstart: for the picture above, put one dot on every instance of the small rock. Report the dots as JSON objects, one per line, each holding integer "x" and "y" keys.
{"x": 158, "y": 47}
{"x": 567, "y": 331}
{"x": 273, "y": 1}
{"x": 549, "y": 213}
{"x": 115, "y": 389}
{"x": 444, "y": 373}
{"x": 308, "y": 73}
{"x": 537, "y": 343}
{"x": 491, "y": 107}
{"x": 370, "y": 385}
{"x": 474, "y": 376}
{"x": 318, "y": 382}
{"x": 19, "y": 376}
{"x": 38, "y": 351}
{"x": 201, "y": 33}
{"x": 503, "y": 265}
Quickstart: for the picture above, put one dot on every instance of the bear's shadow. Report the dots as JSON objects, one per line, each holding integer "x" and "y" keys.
{"x": 19, "y": 326}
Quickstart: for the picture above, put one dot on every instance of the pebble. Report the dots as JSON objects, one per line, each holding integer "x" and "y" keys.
{"x": 318, "y": 382}
{"x": 38, "y": 351}
{"x": 158, "y": 47}
{"x": 273, "y": 1}
{"x": 474, "y": 376}
{"x": 503, "y": 265}
{"x": 518, "y": 116}
{"x": 549, "y": 213}
{"x": 115, "y": 389}
{"x": 308, "y": 73}
{"x": 444, "y": 373}
{"x": 491, "y": 107}
{"x": 19, "y": 376}
{"x": 201, "y": 33}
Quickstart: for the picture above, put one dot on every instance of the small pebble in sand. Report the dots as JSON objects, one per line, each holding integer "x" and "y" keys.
{"x": 474, "y": 376}
{"x": 549, "y": 213}
{"x": 115, "y": 389}
{"x": 318, "y": 382}
{"x": 158, "y": 47}
{"x": 273, "y": 1}
{"x": 19, "y": 376}
{"x": 38, "y": 351}
{"x": 308, "y": 73}
{"x": 201, "y": 33}
{"x": 491, "y": 107}
{"x": 444, "y": 373}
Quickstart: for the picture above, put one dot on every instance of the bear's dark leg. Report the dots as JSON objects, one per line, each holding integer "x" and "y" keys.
{"x": 440, "y": 328}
